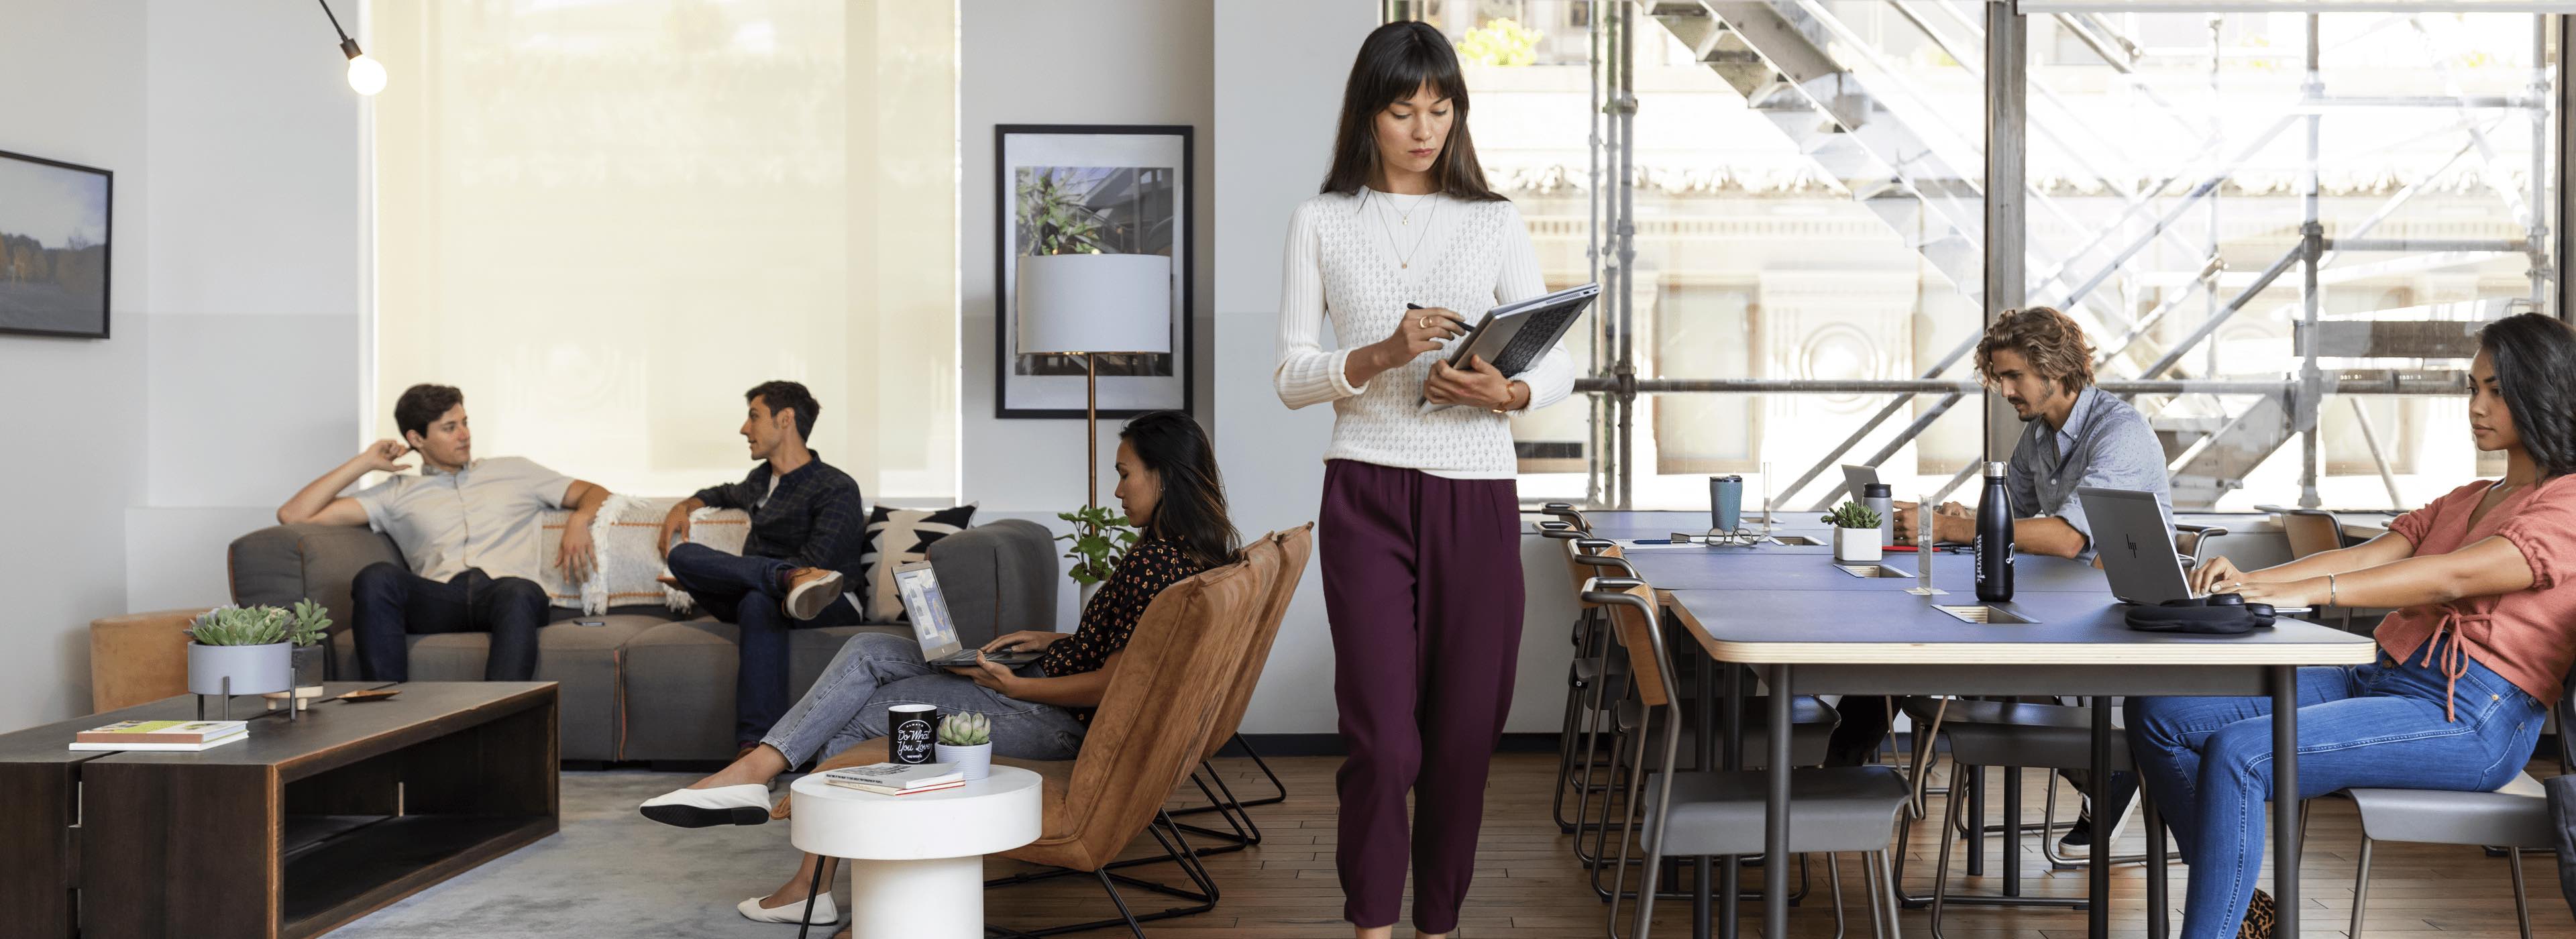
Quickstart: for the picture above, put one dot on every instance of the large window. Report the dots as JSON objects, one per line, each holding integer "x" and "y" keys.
{"x": 604, "y": 221}
{"x": 1809, "y": 231}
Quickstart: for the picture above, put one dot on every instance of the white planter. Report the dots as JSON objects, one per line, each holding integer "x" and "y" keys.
{"x": 253, "y": 669}
{"x": 1856, "y": 544}
{"x": 975, "y": 761}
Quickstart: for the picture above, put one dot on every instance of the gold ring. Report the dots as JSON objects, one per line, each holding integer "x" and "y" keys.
{"x": 1423, "y": 323}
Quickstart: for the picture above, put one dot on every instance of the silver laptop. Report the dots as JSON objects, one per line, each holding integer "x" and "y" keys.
{"x": 1859, "y": 478}
{"x": 2136, "y": 545}
{"x": 2134, "y": 537}
{"x": 932, "y": 626}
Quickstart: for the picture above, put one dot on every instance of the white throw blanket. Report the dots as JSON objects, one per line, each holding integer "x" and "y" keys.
{"x": 626, "y": 539}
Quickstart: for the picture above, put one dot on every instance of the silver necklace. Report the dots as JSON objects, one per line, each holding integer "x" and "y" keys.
{"x": 1405, "y": 216}
{"x": 1403, "y": 258}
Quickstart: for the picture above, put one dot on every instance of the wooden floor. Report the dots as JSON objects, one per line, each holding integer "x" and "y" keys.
{"x": 1528, "y": 885}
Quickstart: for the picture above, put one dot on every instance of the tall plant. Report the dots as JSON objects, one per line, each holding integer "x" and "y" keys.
{"x": 1053, "y": 217}
{"x": 1101, "y": 536}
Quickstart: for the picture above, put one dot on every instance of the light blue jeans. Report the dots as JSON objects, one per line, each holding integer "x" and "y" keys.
{"x": 873, "y": 670}
{"x": 2208, "y": 761}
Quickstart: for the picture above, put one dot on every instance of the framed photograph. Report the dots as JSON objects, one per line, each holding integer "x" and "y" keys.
{"x": 1094, "y": 189}
{"x": 53, "y": 247}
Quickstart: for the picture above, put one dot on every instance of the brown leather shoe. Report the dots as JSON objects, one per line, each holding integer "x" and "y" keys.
{"x": 810, "y": 591}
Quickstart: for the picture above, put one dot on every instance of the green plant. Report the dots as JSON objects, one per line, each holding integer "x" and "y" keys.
{"x": 239, "y": 626}
{"x": 1100, "y": 537}
{"x": 966, "y": 730}
{"x": 1053, "y": 218}
{"x": 1502, "y": 41}
{"x": 1852, "y": 515}
{"x": 308, "y": 624}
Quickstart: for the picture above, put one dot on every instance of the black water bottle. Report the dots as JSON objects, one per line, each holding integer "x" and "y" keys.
{"x": 1994, "y": 539}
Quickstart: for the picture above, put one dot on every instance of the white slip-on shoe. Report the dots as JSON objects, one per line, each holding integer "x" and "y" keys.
{"x": 810, "y": 591}
{"x": 825, "y": 913}
{"x": 746, "y": 804}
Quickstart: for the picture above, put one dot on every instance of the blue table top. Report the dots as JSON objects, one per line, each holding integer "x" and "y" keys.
{"x": 1805, "y": 626}
{"x": 1698, "y": 567}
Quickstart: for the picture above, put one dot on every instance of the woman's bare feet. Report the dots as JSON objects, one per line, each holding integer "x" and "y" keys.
{"x": 755, "y": 768}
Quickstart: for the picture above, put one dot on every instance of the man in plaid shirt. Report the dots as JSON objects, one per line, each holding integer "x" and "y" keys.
{"x": 808, "y": 527}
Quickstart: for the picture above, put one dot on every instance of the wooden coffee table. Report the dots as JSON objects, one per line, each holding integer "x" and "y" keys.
{"x": 298, "y": 830}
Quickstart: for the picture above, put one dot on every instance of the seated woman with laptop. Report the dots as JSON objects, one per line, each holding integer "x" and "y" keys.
{"x": 1169, "y": 488}
{"x": 2483, "y": 581}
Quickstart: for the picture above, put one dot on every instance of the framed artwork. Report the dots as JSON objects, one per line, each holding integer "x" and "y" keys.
{"x": 1104, "y": 189}
{"x": 53, "y": 247}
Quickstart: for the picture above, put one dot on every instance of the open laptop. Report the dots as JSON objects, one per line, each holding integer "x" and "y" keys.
{"x": 932, "y": 626}
{"x": 2134, "y": 538}
{"x": 1859, "y": 478}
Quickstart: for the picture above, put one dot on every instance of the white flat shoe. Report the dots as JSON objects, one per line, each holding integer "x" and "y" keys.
{"x": 825, "y": 913}
{"x": 746, "y": 804}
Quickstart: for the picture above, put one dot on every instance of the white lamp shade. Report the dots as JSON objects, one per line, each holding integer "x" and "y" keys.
{"x": 1070, "y": 303}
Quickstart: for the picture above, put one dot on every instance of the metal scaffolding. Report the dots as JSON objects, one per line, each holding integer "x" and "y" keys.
{"x": 1776, "y": 52}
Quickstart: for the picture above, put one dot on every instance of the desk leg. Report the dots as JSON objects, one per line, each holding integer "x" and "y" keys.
{"x": 2285, "y": 801}
{"x": 1775, "y": 867}
{"x": 2012, "y": 831}
{"x": 2097, "y": 912}
{"x": 2158, "y": 883}
{"x": 1729, "y": 902}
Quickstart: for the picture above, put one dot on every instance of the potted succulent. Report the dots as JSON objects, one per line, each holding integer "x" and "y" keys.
{"x": 247, "y": 645}
{"x": 1855, "y": 532}
{"x": 308, "y": 627}
{"x": 966, "y": 740}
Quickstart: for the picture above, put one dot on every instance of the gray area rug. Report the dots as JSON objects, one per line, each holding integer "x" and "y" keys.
{"x": 609, "y": 872}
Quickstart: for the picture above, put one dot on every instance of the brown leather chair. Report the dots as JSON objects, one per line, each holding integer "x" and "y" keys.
{"x": 1295, "y": 548}
{"x": 1172, "y": 683}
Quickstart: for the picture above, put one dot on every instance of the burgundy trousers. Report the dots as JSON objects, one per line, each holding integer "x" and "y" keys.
{"x": 1422, "y": 581}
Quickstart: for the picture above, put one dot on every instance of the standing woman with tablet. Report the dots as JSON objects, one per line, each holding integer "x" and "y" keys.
{"x": 1419, "y": 535}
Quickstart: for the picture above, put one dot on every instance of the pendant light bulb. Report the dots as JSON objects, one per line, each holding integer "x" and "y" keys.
{"x": 366, "y": 75}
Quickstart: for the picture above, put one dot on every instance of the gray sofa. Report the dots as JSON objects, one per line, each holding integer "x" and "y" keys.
{"x": 652, "y": 684}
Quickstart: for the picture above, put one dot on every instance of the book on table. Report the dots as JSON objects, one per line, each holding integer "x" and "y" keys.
{"x": 168, "y": 736}
{"x": 897, "y": 779}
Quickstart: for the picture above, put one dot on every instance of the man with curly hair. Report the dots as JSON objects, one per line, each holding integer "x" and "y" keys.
{"x": 2073, "y": 435}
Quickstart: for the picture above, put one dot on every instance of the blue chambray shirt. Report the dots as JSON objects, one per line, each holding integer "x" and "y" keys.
{"x": 2105, "y": 443}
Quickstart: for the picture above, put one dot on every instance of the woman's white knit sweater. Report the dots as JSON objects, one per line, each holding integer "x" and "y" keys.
{"x": 1359, "y": 259}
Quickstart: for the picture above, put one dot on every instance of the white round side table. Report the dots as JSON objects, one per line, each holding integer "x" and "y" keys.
{"x": 917, "y": 862}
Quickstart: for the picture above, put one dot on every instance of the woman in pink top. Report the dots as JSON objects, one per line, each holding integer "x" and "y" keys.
{"x": 2483, "y": 582}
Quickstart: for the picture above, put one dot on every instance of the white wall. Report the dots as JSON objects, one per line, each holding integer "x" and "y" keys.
{"x": 72, "y": 410}
{"x": 1278, "y": 78}
{"x": 258, "y": 238}
{"x": 1047, "y": 62}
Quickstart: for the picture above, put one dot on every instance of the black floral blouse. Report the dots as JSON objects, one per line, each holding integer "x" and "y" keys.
{"x": 1110, "y": 618}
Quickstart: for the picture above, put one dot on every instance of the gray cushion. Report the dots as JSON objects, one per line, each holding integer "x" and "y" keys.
{"x": 679, "y": 680}
{"x": 2044, "y": 736}
{"x": 582, "y": 659}
{"x": 279, "y": 565}
{"x": 1838, "y": 809}
{"x": 2515, "y": 816}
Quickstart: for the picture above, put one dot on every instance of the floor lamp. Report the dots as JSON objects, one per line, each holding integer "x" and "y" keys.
{"x": 1090, "y": 304}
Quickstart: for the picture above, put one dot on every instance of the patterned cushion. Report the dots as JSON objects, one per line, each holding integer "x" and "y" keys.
{"x": 897, "y": 536}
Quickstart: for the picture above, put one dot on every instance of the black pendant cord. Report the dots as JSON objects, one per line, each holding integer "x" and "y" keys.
{"x": 335, "y": 20}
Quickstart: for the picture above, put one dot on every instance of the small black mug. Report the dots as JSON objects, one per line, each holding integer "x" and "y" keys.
{"x": 910, "y": 728}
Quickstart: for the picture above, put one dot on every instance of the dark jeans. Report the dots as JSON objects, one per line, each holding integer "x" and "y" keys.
{"x": 392, "y": 602}
{"x": 1864, "y": 724}
{"x": 746, "y": 591}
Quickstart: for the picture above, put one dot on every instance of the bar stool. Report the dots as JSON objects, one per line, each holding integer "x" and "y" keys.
{"x": 1707, "y": 813}
{"x": 2016, "y": 736}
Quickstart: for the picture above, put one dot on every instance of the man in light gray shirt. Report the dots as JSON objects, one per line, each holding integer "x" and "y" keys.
{"x": 469, "y": 530}
{"x": 2073, "y": 434}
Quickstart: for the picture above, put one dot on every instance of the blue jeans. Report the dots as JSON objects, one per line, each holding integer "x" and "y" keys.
{"x": 392, "y": 602}
{"x": 746, "y": 591}
{"x": 848, "y": 705}
{"x": 2208, "y": 761}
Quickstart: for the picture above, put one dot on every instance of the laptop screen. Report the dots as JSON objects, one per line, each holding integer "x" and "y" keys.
{"x": 928, "y": 611}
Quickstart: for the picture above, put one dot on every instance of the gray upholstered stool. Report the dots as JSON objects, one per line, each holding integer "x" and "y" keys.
{"x": 2514, "y": 817}
{"x": 2015, "y": 736}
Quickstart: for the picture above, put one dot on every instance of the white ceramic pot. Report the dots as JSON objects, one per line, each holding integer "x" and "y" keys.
{"x": 975, "y": 761}
{"x": 1856, "y": 544}
{"x": 253, "y": 669}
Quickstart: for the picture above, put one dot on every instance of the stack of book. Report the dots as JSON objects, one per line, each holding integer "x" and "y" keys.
{"x": 897, "y": 779}
{"x": 176, "y": 736}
